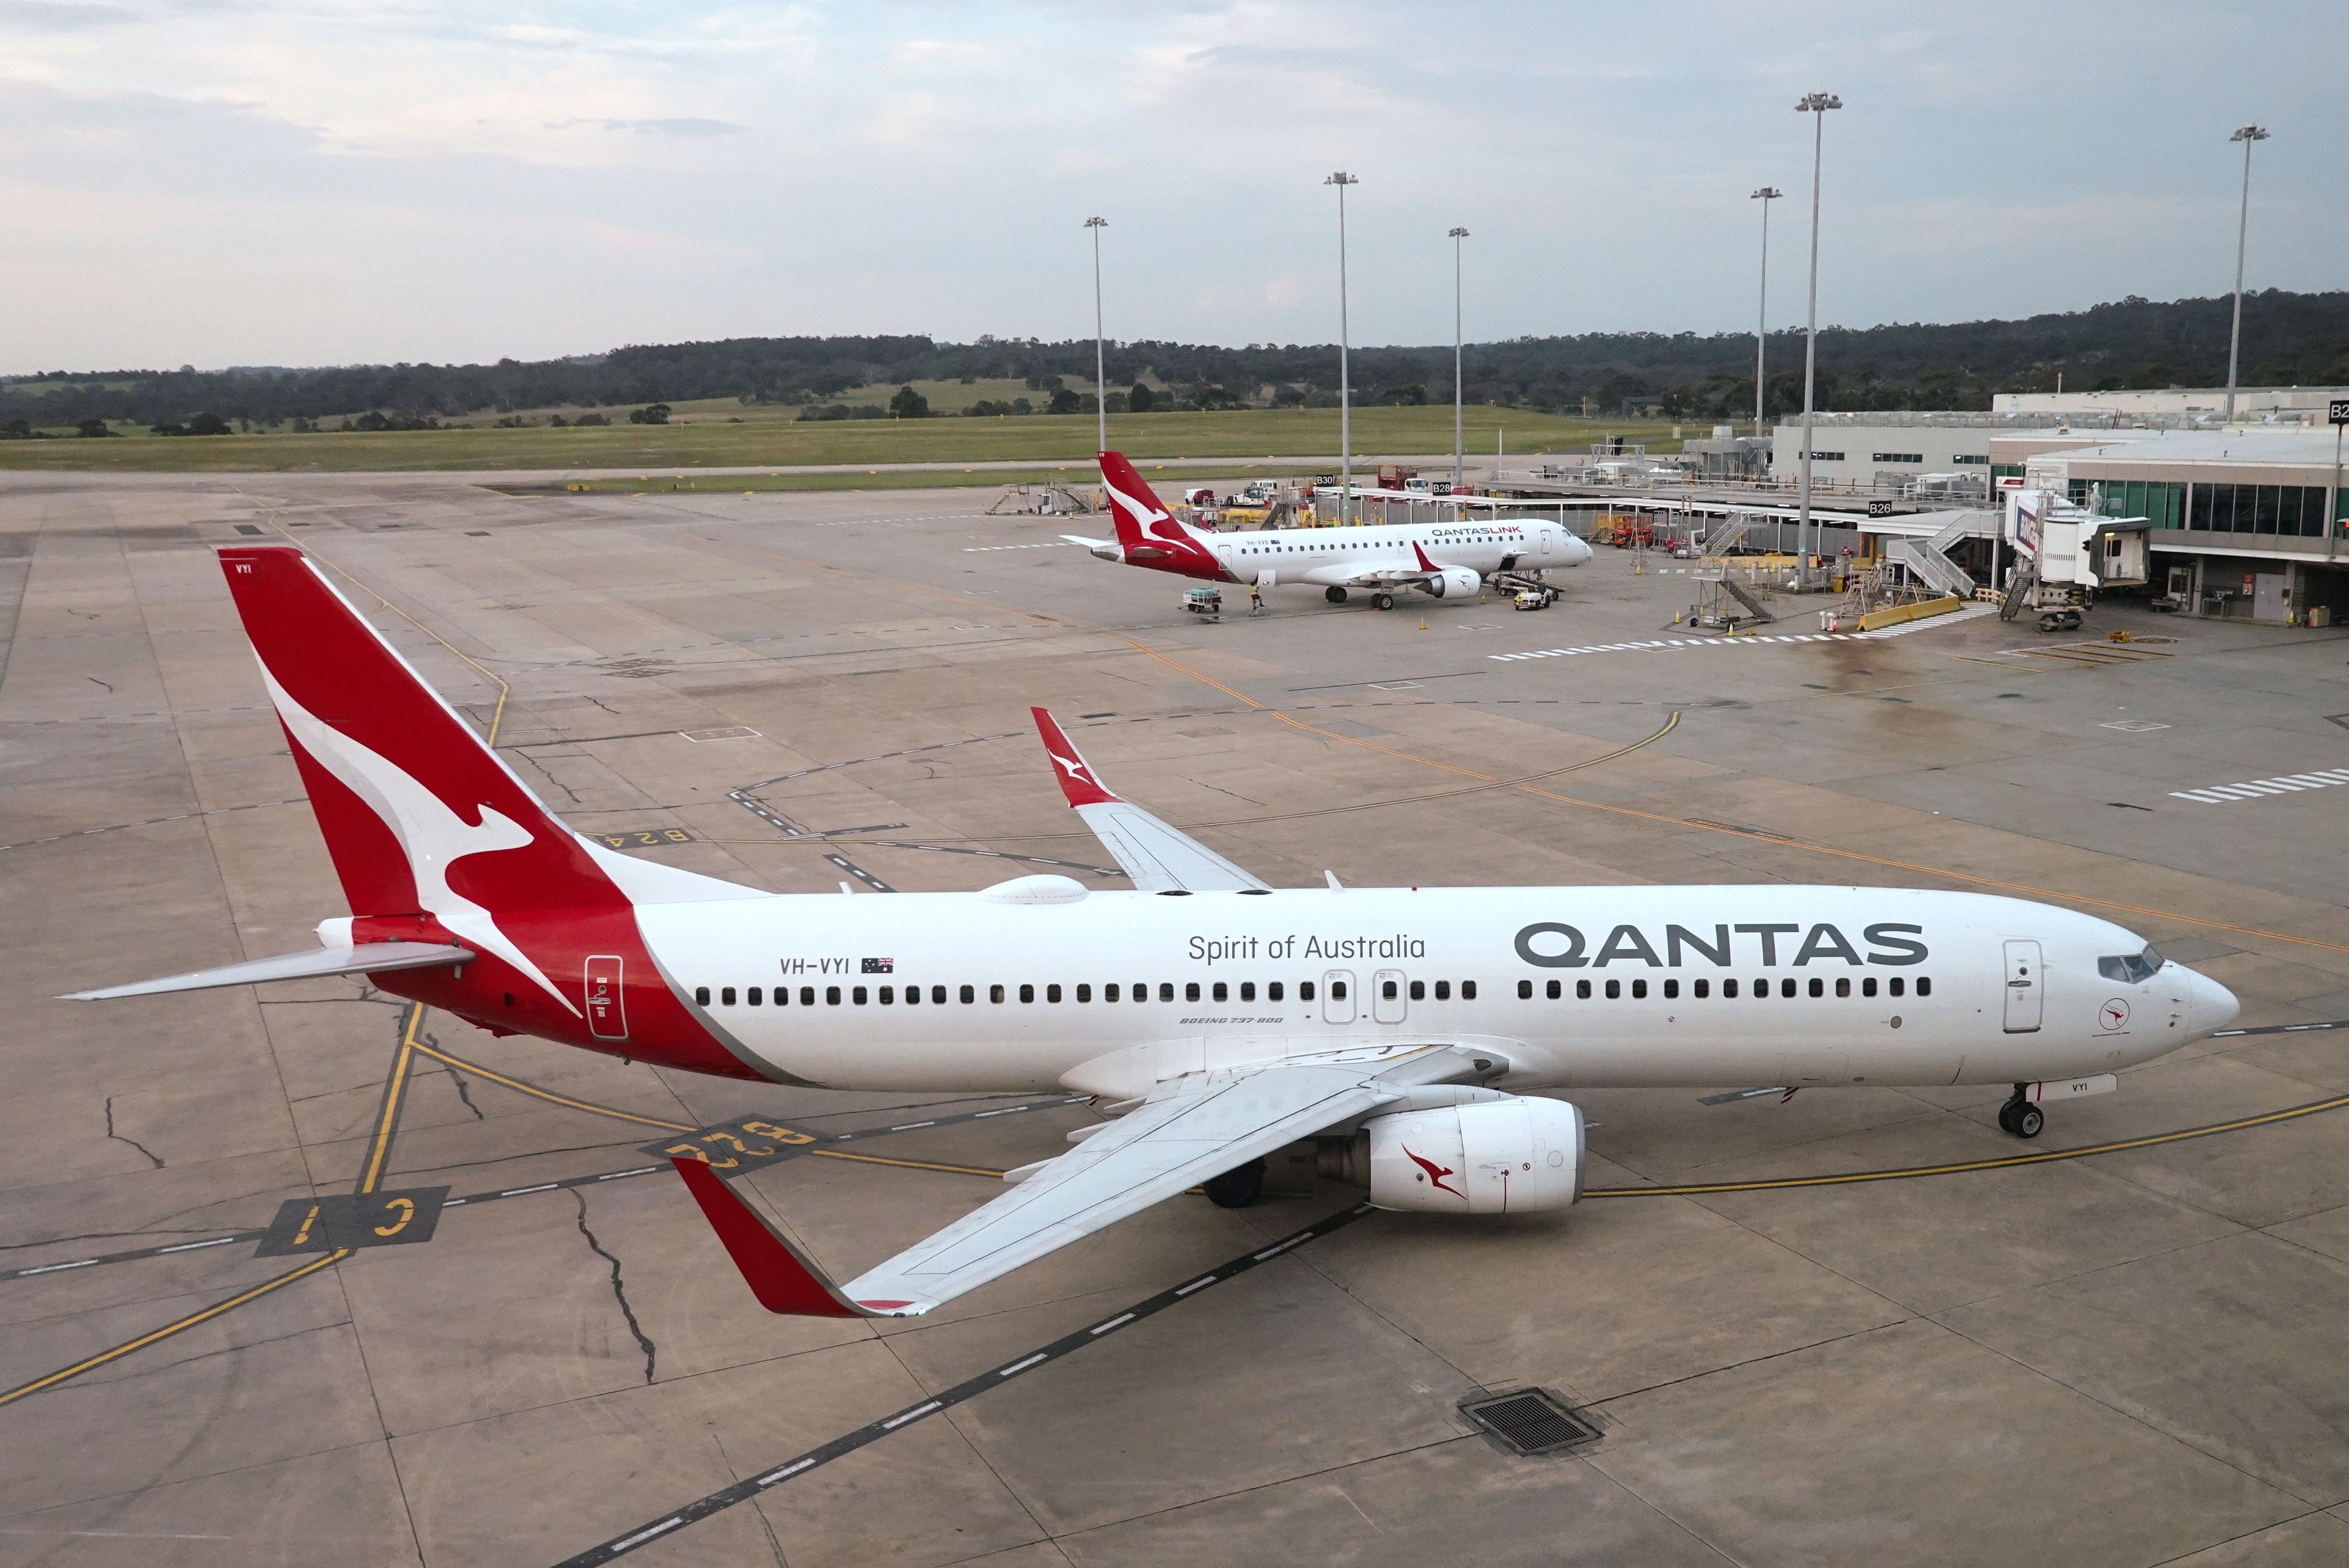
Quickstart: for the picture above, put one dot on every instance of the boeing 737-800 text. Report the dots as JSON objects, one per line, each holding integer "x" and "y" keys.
{"x": 1402, "y": 1028}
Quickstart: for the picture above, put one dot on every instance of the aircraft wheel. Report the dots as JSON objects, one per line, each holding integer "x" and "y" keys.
{"x": 1335, "y": 596}
{"x": 1382, "y": 601}
{"x": 1238, "y": 1188}
{"x": 2021, "y": 1118}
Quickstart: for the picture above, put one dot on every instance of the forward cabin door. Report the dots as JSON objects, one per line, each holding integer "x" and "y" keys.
{"x": 1338, "y": 996}
{"x": 2025, "y": 987}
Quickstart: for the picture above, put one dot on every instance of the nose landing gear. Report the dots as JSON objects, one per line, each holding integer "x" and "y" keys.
{"x": 2019, "y": 1117}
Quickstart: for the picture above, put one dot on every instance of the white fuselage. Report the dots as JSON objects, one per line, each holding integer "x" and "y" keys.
{"x": 1337, "y": 557}
{"x": 1110, "y": 992}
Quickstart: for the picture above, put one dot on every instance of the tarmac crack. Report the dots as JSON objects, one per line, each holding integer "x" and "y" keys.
{"x": 153, "y": 1157}
{"x": 464, "y": 1090}
{"x": 619, "y": 1286}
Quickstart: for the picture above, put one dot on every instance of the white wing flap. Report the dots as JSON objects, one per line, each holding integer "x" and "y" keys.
{"x": 1192, "y": 1128}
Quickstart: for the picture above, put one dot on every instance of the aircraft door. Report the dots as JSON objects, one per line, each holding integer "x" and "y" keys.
{"x": 1545, "y": 538}
{"x": 1224, "y": 553}
{"x": 2025, "y": 987}
{"x": 1338, "y": 997}
{"x": 1387, "y": 1002}
{"x": 608, "y": 1015}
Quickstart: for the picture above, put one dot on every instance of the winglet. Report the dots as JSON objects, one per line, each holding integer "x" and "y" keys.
{"x": 784, "y": 1279}
{"x": 1076, "y": 775}
{"x": 1424, "y": 564}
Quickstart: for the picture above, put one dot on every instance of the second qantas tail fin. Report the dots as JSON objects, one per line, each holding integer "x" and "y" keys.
{"x": 1132, "y": 507}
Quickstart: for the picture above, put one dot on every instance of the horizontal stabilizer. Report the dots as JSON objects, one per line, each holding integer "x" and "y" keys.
{"x": 784, "y": 1279}
{"x": 367, "y": 958}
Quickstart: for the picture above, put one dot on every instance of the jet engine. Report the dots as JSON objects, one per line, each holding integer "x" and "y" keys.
{"x": 1503, "y": 1156}
{"x": 1453, "y": 583}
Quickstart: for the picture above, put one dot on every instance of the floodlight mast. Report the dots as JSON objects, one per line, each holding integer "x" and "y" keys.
{"x": 2247, "y": 135}
{"x": 1345, "y": 387}
{"x": 1817, "y": 104}
{"x": 1459, "y": 450}
{"x": 1100, "y": 372}
{"x": 1766, "y": 195}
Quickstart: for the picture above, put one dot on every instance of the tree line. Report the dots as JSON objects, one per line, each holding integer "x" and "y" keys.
{"x": 2288, "y": 339}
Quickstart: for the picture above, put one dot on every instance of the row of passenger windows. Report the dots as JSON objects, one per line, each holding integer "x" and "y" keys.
{"x": 1702, "y": 988}
{"x": 1275, "y": 990}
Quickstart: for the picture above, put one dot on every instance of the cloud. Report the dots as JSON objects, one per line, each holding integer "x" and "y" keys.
{"x": 60, "y": 15}
{"x": 691, "y": 127}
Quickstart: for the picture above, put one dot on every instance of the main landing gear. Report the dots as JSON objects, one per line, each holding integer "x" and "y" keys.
{"x": 1382, "y": 601}
{"x": 2019, "y": 1117}
{"x": 1335, "y": 596}
{"x": 1237, "y": 1188}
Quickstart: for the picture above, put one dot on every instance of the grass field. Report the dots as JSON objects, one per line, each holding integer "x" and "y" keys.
{"x": 1258, "y": 433}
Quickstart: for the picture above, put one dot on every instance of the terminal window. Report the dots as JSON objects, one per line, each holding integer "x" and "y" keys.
{"x": 1915, "y": 457}
{"x": 1970, "y": 460}
{"x": 1827, "y": 457}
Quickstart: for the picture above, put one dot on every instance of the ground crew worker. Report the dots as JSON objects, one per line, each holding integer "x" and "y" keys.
{"x": 1255, "y": 598}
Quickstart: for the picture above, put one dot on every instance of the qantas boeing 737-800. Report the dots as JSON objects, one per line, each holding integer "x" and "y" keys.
{"x": 1443, "y": 560}
{"x": 1223, "y": 1018}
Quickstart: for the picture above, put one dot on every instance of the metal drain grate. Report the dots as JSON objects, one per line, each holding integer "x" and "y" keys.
{"x": 1530, "y": 1421}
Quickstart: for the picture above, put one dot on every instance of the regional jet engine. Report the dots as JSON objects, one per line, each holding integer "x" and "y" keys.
{"x": 1453, "y": 583}
{"x": 1505, "y": 1155}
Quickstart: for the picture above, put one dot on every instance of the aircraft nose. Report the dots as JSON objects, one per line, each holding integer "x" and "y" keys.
{"x": 2208, "y": 1005}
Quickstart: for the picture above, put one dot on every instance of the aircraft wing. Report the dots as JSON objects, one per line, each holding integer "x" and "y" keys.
{"x": 1158, "y": 858}
{"x": 1385, "y": 573}
{"x": 1189, "y": 1130}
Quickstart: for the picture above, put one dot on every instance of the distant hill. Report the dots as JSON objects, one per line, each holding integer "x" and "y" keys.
{"x": 2288, "y": 339}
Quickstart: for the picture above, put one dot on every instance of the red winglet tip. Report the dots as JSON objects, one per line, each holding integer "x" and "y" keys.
{"x": 782, "y": 1279}
{"x": 1424, "y": 564}
{"x": 1076, "y": 775}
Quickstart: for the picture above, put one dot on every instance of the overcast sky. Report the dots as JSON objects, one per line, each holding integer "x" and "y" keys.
{"x": 215, "y": 183}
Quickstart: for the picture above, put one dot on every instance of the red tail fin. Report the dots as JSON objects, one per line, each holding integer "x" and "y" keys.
{"x": 1130, "y": 503}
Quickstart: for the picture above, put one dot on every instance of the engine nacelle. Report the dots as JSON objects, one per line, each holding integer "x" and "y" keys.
{"x": 1509, "y": 1156}
{"x": 1453, "y": 583}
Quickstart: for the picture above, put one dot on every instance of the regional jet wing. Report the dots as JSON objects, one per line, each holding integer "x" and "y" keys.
{"x": 1383, "y": 574}
{"x": 1158, "y": 858}
{"x": 1189, "y": 1130}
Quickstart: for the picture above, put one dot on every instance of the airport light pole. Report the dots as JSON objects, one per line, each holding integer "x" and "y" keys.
{"x": 2246, "y": 135}
{"x": 1100, "y": 372}
{"x": 1345, "y": 388}
{"x": 1817, "y": 104}
{"x": 1768, "y": 194}
{"x": 1459, "y": 450}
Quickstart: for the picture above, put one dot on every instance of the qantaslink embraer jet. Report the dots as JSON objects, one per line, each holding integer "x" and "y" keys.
{"x": 1218, "y": 1019}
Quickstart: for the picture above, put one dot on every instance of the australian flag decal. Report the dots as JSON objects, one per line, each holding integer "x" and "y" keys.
{"x": 880, "y": 966}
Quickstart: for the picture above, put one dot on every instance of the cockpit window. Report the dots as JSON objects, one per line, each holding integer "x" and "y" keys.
{"x": 2131, "y": 969}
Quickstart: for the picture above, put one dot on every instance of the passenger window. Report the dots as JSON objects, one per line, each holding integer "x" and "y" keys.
{"x": 1142, "y": 993}
{"x": 1442, "y": 991}
{"x": 807, "y": 996}
{"x": 1761, "y": 988}
{"x": 701, "y": 996}
{"x": 857, "y": 996}
{"x": 1525, "y": 990}
{"x": 1275, "y": 992}
{"x": 831, "y": 996}
{"x": 1222, "y": 991}
{"x": 1304, "y": 991}
{"x": 1699, "y": 989}
{"x": 1582, "y": 990}
{"x": 1051, "y": 994}
{"x": 1027, "y": 993}
{"x": 782, "y": 996}
{"x": 1924, "y": 986}
{"x": 939, "y": 995}
{"x": 994, "y": 993}
{"x": 1786, "y": 987}
{"x": 1084, "y": 993}
{"x": 1418, "y": 990}
{"x": 1895, "y": 987}
{"x": 1247, "y": 991}
{"x": 1554, "y": 991}
{"x": 1818, "y": 986}
{"x": 1467, "y": 991}
{"x": 1728, "y": 989}
{"x": 1109, "y": 994}
{"x": 888, "y": 994}
{"x": 1867, "y": 986}
{"x": 751, "y": 997}
{"x": 1614, "y": 990}
{"x": 1191, "y": 990}
{"x": 1336, "y": 991}
{"x": 726, "y": 997}
{"x": 1672, "y": 989}
{"x": 1387, "y": 989}
{"x": 1166, "y": 992}
{"x": 1843, "y": 986}
{"x": 970, "y": 993}
{"x": 1639, "y": 991}
{"x": 912, "y": 994}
